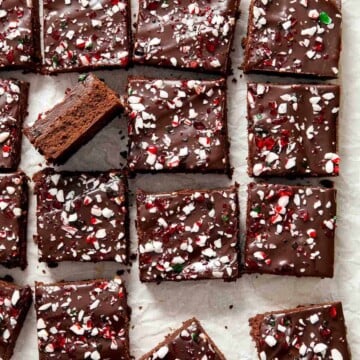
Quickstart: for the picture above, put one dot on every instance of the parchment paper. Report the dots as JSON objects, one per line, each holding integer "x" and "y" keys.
{"x": 156, "y": 309}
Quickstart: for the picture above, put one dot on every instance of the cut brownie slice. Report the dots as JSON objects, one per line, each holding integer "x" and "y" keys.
{"x": 290, "y": 230}
{"x": 307, "y": 332}
{"x": 187, "y": 343}
{"x": 83, "y": 320}
{"x": 177, "y": 125}
{"x": 83, "y": 35}
{"x": 59, "y": 132}
{"x": 20, "y": 34}
{"x": 186, "y": 35}
{"x": 14, "y": 305}
{"x": 82, "y": 216}
{"x": 294, "y": 37}
{"x": 293, "y": 129}
{"x": 13, "y": 109}
{"x": 188, "y": 235}
{"x": 13, "y": 220}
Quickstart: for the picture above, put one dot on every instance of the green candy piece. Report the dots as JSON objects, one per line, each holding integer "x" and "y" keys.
{"x": 178, "y": 268}
{"x": 325, "y": 18}
{"x": 82, "y": 77}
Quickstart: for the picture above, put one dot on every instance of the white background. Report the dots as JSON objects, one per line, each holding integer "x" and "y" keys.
{"x": 156, "y": 309}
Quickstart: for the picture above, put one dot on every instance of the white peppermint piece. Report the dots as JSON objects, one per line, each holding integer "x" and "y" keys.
{"x": 270, "y": 341}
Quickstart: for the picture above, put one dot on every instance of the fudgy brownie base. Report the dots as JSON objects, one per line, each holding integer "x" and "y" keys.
{"x": 13, "y": 110}
{"x": 15, "y": 303}
{"x": 61, "y": 131}
{"x": 83, "y": 320}
{"x": 306, "y": 332}
{"x": 187, "y": 343}
{"x": 13, "y": 220}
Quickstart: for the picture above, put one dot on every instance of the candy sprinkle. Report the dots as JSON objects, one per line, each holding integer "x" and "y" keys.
{"x": 325, "y": 18}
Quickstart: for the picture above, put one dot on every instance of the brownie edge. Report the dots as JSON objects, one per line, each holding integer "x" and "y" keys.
{"x": 88, "y": 107}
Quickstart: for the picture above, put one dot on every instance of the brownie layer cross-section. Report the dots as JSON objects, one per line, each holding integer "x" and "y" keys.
{"x": 61, "y": 131}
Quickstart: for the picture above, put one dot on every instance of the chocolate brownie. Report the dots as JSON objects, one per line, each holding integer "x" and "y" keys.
{"x": 186, "y": 34}
{"x": 83, "y": 35}
{"x": 301, "y": 37}
{"x": 188, "y": 235}
{"x": 290, "y": 230}
{"x": 59, "y": 132}
{"x": 13, "y": 109}
{"x": 13, "y": 220}
{"x": 14, "y": 305}
{"x": 186, "y": 343}
{"x": 307, "y": 332}
{"x": 82, "y": 216}
{"x": 20, "y": 34}
{"x": 177, "y": 125}
{"x": 83, "y": 320}
{"x": 293, "y": 130}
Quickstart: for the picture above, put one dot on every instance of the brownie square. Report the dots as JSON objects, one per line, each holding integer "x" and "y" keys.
{"x": 177, "y": 125}
{"x": 294, "y": 37}
{"x": 290, "y": 230}
{"x": 13, "y": 220}
{"x": 13, "y": 109}
{"x": 307, "y": 332}
{"x": 14, "y": 305}
{"x": 188, "y": 235}
{"x": 84, "y": 35}
{"x": 293, "y": 130}
{"x": 83, "y": 320}
{"x": 186, "y": 343}
{"x": 20, "y": 34}
{"x": 186, "y": 34}
{"x": 82, "y": 216}
{"x": 61, "y": 131}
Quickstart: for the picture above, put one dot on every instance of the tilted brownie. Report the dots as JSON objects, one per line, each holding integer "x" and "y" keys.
{"x": 83, "y": 35}
{"x": 177, "y": 125}
{"x": 14, "y": 305}
{"x": 186, "y": 343}
{"x": 20, "y": 34}
{"x": 13, "y": 109}
{"x": 293, "y": 129}
{"x": 186, "y": 34}
{"x": 83, "y": 320}
{"x": 188, "y": 235}
{"x": 306, "y": 332}
{"x": 301, "y": 37}
{"x": 13, "y": 220}
{"x": 290, "y": 230}
{"x": 82, "y": 216}
{"x": 61, "y": 131}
